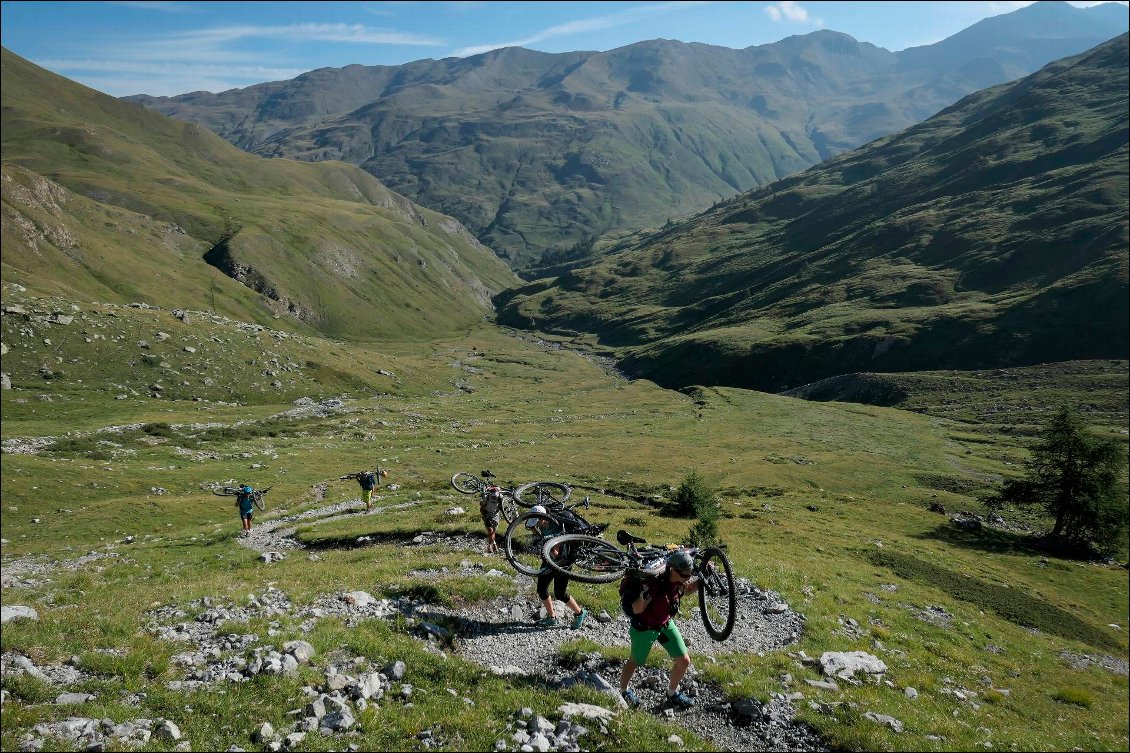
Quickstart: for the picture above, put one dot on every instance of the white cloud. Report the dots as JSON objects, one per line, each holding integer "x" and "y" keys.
{"x": 355, "y": 33}
{"x": 585, "y": 25}
{"x": 787, "y": 10}
{"x": 253, "y": 72}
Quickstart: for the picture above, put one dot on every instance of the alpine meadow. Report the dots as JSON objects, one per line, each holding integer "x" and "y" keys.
{"x": 664, "y": 396}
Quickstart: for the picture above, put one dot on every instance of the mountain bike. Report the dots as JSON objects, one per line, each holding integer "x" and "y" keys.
{"x": 542, "y": 493}
{"x": 590, "y": 559}
{"x": 526, "y": 536}
{"x": 468, "y": 483}
{"x": 257, "y": 496}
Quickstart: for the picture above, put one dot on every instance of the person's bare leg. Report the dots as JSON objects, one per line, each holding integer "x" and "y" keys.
{"x": 626, "y": 674}
{"x": 682, "y": 664}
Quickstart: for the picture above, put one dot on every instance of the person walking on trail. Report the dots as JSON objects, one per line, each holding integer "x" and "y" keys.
{"x": 368, "y": 481}
{"x": 245, "y": 501}
{"x": 560, "y": 580}
{"x": 490, "y": 510}
{"x": 651, "y": 602}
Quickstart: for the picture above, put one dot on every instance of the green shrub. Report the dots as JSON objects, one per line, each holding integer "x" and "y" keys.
{"x": 1075, "y": 695}
{"x": 693, "y": 496}
{"x": 160, "y": 429}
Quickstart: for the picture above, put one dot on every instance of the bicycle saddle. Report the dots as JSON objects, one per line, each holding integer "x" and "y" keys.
{"x": 624, "y": 538}
{"x": 487, "y": 474}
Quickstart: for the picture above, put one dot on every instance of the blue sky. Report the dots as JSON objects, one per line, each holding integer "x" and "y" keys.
{"x": 166, "y": 48}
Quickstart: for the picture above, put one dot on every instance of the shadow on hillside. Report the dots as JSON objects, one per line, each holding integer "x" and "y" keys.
{"x": 998, "y": 541}
{"x": 987, "y": 539}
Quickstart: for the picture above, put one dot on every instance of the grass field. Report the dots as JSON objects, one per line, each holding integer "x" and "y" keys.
{"x": 825, "y": 503}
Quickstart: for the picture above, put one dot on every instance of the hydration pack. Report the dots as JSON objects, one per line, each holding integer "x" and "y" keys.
{"x": 368, "y": 480}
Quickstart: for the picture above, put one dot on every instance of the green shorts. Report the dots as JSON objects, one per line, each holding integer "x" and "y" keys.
{"x": 367, "y": 496}
{"x": 669, "y": 637}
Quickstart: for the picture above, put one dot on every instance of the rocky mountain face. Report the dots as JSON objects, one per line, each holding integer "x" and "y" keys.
{"x": 105, "y": 200}
{"x": 993, "y": 234}
{"x": 538, "y": 152}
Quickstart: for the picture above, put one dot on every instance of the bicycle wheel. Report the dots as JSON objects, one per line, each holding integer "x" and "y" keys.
{"x": 225, "y": 491}
{"x": 509, "y": 507}
{"x": 261, "y": 501}
{"x": 587, "y": 559}
{"x": 543, "y": 493}
{"x": 522, "y": 543}
{"x": 466, "y": 483}
{"x": 717, "y": 596}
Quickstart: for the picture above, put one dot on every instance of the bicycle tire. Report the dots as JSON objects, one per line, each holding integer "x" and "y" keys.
{"x": 509, "y": 506}
{"x": 225, "y": 491}
{"x": 717, "y": 594}
{"x": 466, "y": 483}
{"x": 587, "y": 559}
{"x": 522, "y": 544}
{"x": 543, "y": 493}
{"x": 261, "y": 501}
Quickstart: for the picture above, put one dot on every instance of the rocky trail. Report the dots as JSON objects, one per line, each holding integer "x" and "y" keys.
{"x": 502, "y": 636}
{"x": 499, "y": 635}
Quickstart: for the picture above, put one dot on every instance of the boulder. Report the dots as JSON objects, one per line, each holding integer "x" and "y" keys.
{"x": 359, "y": 599}
{"x": 167, "y": 731}
{"x": 300, "y": 650}
{"x": 585, "y": 711}
{"x": 17, "y": 612}
{"x": 264, "y": 733}
{"x": 846, "y": 663}
{"x": 74, "y": 699}
{"x": 888, "y": 721}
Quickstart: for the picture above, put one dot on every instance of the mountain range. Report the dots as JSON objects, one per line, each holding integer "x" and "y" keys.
{"x": 993, "y": 234}
{"x": 540, "y": 153}
{"x": 105, "y": 200}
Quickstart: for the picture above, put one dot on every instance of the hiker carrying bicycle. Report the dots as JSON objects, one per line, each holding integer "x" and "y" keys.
{"x": 245, "y": 501}
{"x": 490, "y": 510}
{"x": 651, "y": 602}
{"x": 560, "y": 581}
{"x": 368, "y": 481}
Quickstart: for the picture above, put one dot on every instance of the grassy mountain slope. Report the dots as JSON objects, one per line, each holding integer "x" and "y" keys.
{"x": 825, "y": 503}
{"x": 993, "y": 234}
{"x": 108, "y": 201}
{"x": 537, "y": 152}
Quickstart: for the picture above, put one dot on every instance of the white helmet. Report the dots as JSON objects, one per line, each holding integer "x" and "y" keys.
{"x": 534, "y": 521}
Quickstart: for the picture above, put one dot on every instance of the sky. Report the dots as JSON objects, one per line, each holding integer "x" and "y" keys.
{"x": 168, "y": 48}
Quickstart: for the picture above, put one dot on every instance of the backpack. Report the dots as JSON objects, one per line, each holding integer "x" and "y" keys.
{"x": 569, "y": 520}
{"x": 368, "y": 480}
{"x": 630, "y": 587}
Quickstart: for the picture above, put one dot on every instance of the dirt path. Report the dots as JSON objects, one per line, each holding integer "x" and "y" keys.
{"x": 502, "y": 636}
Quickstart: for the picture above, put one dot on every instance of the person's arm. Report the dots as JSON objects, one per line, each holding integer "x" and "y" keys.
{"x": 642, "y": 601}
{"x": 691, "y": 586}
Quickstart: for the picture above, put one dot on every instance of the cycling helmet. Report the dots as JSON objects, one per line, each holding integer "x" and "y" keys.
{"x": 534, "y": 521}
{"x": 682, "y": 561}
{"x": 246, "y": 489}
